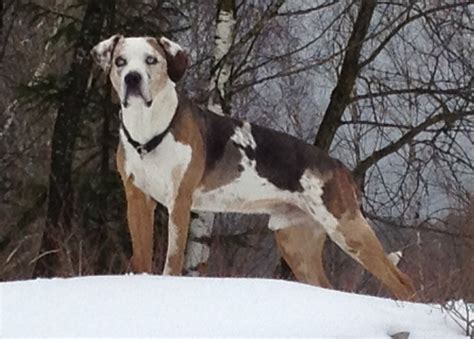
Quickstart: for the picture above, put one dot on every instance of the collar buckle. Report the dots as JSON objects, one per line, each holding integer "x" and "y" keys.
{"x": 141, "y": 150}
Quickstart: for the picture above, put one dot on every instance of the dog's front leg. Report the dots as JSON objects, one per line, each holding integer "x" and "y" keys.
{"x": 140, "y": 216}
{"x": 178, "y": 225}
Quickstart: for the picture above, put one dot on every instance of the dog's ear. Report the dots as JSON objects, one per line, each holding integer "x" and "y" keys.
{"x": 103, "y": 51}
{"x": 176, "y": 58}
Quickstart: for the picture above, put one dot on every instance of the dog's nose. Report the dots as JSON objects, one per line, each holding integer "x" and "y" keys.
{"x": 133, "y": 79}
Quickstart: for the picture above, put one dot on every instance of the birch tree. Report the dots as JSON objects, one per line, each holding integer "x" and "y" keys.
{"x": 222, "y": 73}
{"x": 198, "y": 248}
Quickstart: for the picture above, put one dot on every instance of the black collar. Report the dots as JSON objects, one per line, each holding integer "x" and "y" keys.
{"x": 150, "y": 145}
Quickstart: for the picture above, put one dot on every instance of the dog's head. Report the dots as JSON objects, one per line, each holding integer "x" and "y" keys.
{"x": 140, "y": 67}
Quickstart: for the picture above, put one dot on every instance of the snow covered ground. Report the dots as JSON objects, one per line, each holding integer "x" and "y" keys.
{"x": 152, "y": 306}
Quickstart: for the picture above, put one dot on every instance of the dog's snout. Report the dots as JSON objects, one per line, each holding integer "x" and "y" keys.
{"x": 133, "y": 79}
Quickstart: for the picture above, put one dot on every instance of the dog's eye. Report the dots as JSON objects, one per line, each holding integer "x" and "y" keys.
{"x": 151, "y": 60}
{"x": 119, "y": 62}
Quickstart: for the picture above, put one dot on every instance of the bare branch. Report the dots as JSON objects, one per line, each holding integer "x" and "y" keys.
{"x": 363, "y": 166}
{"x": 269, "y": 14}
{"x": 397, "y": 29}
{"x": 308, "y": 10}
{"x": 420, "y": 91}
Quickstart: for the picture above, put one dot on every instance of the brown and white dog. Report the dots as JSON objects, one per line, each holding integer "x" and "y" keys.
{"x": 188, "y": 158}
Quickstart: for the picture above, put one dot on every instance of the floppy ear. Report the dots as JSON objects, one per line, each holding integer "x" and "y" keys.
{"x": 103, "y": 51}
{"x": 176, "y": 58}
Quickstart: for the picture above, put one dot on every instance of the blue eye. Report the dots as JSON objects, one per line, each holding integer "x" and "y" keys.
{"x": 151, "y": 60}
{"x": 119, "y": 61}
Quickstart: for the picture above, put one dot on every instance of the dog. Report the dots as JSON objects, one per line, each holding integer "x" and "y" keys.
{"x": 187, "y": 158}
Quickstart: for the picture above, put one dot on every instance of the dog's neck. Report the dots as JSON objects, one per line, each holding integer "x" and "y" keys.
{"x": 143, "y": 123}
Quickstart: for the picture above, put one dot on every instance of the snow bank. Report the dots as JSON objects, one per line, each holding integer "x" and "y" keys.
{"x": 142, "y": 305}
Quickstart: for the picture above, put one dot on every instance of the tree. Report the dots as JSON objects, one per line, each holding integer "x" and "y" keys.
{"x": 59, "y": 211}
{"x": 219, "y": 100}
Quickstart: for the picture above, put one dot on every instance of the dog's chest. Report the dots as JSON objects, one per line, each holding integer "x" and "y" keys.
{"x": 159, "y": 172}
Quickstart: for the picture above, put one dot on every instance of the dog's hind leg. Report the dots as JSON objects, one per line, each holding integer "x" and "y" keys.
{"x": 334, "y": 204}
{"x": 301, "y": 245}
{"x": 355, "y": 236}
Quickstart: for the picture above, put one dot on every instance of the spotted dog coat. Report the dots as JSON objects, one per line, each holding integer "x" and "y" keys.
{"x": 206, "y": 162}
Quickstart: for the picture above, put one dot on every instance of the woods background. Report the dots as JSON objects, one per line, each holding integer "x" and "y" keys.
{"x": 385, "y": 86}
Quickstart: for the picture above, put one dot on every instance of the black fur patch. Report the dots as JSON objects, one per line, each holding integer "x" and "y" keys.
{"x": 282, "y": 159}
{"x": 248, "y": 150}
{"x": 218, "y": 132}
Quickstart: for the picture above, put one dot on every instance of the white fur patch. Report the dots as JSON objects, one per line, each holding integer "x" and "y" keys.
{"x": 171, "y": 47}
{"x": 156, "y": 172}
{"x": 243, "y": 136}
{"x": 395, "y": 257}
{"x": 248, "y": 193}
{"x": 278, "y": 222}
{"x": 313, "y": 202}
{"x": 215, "y": 108}
{"x": 172, "y": 246}
{"x": 281, "y": 221}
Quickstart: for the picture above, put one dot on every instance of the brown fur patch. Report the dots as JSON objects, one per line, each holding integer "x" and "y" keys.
{"x": 154, "y": 43}
{"x": 340, "y": 193}
{"x": 360, "y": 241}
{"x": 177, "y": 64}
{"x": 227, "y": 172}
{"x": 187, "y": 132}
{"x": 159, "y": 80}
{"x": 140, "y": 215}
{"x": 302, "y": 249}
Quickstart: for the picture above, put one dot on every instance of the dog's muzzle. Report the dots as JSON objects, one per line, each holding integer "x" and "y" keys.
{"x": 133, "y": 83}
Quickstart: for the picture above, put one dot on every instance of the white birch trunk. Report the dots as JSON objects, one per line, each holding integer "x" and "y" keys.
{"x": 198, "y": 247}
{"x": 223, "y": 42}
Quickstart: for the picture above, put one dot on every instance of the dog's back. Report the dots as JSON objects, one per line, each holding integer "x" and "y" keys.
{"x": 234, "y": 148}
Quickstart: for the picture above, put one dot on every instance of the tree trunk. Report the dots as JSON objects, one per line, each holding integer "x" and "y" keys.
{"x": 340, "y": 96}
{"x": 198, "y": 247}
{"x": 219, "y": 95}
{"x": 53, "y": 257}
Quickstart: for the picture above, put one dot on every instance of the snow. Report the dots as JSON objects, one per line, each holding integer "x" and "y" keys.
{"x": 151, "y": 306}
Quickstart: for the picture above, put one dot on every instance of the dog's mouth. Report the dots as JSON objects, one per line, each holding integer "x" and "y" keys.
{"x": 134, "y": 92}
